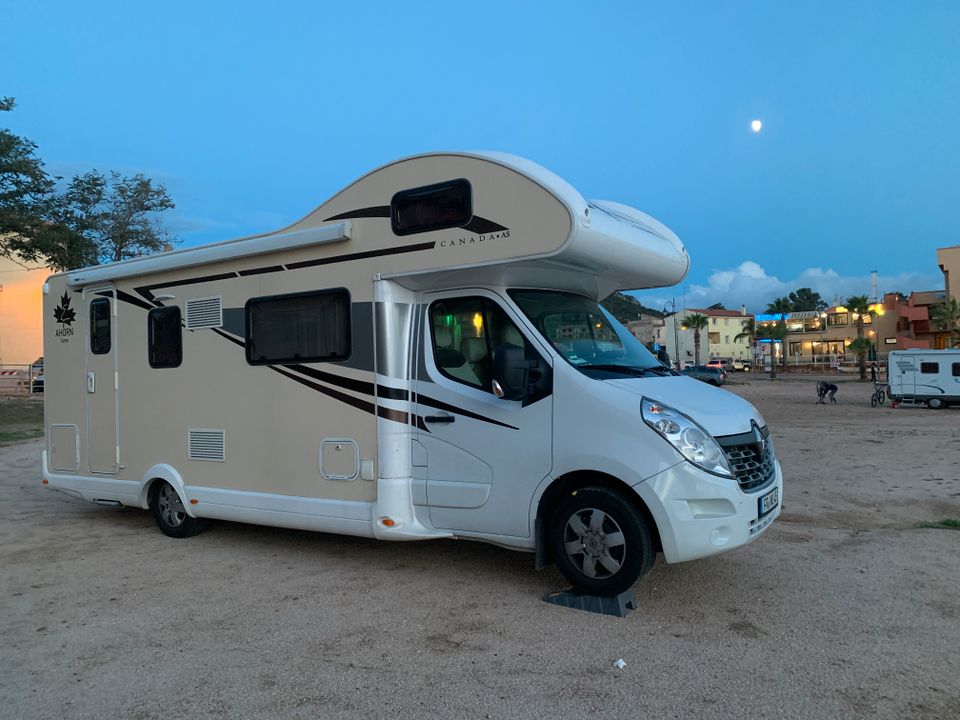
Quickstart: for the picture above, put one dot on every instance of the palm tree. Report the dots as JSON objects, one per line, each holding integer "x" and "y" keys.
{"x": 748, "y": 333}
{"x": 946, "y": 316}
{"x": 780, "y": 306}
{"x": 697, "y": 322}
{"x": 859, "y": 305}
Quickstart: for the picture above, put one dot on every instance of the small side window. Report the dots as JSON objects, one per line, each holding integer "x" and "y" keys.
{"x": 955, "y": 369}
{"x": 100, "y": 326}
{"x": 164, "y": 338}
{"x": 433, "y": 207}
{"x": 929, "y": 368}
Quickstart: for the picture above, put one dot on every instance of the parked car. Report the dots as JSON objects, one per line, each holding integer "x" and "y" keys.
{"x": 739, "y": 365}
{"x": 720, "y": 364}
{"x": 711, "y": 375}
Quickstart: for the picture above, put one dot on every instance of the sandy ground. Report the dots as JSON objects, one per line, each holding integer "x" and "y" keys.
{"x": 845, "y": 608}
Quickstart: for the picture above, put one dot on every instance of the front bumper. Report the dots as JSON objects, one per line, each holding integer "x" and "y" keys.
{"x": 699, "y": 514}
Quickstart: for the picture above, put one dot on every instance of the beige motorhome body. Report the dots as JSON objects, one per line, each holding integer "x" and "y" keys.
{"x": 316, "y": 445}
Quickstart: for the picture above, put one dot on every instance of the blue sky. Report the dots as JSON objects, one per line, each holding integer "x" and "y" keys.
{"x": 254, "y": 113}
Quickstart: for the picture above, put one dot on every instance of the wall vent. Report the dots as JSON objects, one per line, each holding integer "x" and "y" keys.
{"x": 205, "y": 445}
{"x": 204, "y": 313}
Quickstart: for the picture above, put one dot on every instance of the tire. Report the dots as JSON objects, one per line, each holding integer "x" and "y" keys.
{"x": 873, "y": 400}
{"x": 601, "y": 542}
{"x": 934, "y": 403}
{"x": 881, "y": 397}
{"x": 169, "y": 513}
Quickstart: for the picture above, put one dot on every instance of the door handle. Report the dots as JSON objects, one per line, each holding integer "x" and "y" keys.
{"x": 439, "y": 418}
{"x": 91, "y": 382}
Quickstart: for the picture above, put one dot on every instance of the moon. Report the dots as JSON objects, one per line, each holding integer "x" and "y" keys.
{"x": 756, "y": 126}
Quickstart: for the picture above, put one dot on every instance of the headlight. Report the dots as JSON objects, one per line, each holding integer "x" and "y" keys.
{"x": 691, "y": 440}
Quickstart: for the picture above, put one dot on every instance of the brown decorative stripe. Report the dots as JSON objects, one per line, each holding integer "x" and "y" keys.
{"x": 378, "y": 211}
{"x": 335, "y": 394}
{"x": 361, "y": 255}
{"x": 482, "y": 226}
{"x": 440, "y": 405}
{"x": 262, "y": 270}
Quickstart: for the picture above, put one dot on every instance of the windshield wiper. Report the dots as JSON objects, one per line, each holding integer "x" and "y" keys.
{"x": 628, "y": 369}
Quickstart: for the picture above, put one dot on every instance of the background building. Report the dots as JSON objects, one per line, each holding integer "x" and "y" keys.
{"x": 718, "y": 339}
{"x": 948, "y": 259}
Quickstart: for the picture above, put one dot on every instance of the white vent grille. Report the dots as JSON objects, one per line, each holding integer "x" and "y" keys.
{"x": 205, "y": 445}
{"x": 204, "y": 313}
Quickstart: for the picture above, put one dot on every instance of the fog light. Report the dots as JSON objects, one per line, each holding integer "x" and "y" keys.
{"x": 720, "y": 536}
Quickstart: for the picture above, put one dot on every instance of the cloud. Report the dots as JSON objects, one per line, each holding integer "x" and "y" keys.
{"x": 749, "y": 284}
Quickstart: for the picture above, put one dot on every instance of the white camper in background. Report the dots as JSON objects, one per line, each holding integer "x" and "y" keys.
{"x": 422, "y": 356}
{"x": 925, "y": 377}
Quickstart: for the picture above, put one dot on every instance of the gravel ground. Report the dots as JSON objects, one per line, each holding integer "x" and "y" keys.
{"x": 845, "y": 608}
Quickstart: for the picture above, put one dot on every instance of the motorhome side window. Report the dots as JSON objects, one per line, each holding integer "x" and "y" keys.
{"x": 100, "y": 326}
{"x": 433, "y": 207}
{"x": 929, "y": 368}
{"x": 466, "y": 331}
{"x": 955, "y": 369}
{"x": 301, "y": 327}
{"x": 164, "y": 339}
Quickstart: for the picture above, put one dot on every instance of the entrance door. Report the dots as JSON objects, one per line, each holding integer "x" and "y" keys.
{"x": 103, "y": 452}
{"x": 908, "y": 375}
{"x": 485, "y": 456}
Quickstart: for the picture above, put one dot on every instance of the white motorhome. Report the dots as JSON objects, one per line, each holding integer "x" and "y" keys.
{"x": 925, "y": 377}
{"x": 422, "y": 356}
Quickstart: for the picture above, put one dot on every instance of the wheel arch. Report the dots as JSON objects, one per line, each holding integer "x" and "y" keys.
{"x": 166, "y": 473}
{"x": 576, "y": 480}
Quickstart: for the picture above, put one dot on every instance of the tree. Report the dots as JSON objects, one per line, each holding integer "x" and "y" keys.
{"x": 805, "y": 299}
{"x": 946, "y": 316}
{"x": 859, "y": 305}
{"x": 107, "y": 218}
{"x": 24, "y": 190}
{"x": 696, "y": 322}
{"x": 626, "y": 307}
{"x": 749, "y": 332}
{"x": 780, "y": 306}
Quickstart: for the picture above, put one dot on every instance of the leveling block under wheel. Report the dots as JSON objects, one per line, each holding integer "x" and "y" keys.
{"x": 618, "y": 605}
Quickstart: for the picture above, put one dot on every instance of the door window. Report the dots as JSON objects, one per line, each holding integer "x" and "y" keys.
{"x": 100, "y": 326}
{"x": 465, "y": 333}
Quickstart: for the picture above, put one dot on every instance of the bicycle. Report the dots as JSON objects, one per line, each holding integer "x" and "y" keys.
{"x": 879, "y": 396}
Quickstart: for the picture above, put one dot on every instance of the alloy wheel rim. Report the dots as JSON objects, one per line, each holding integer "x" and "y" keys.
{"x": 594, "y": 543}
{"x": 171, "y": 509}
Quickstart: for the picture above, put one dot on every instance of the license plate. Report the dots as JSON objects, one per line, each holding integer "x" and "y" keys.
{"x": 769, "y": 501}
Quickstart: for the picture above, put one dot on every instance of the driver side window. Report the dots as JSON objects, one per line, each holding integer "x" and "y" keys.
{"x": 465, "y": 332}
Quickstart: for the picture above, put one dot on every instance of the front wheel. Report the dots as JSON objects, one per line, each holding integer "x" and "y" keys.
{"x": 881, "y": 397}
{"x": 168, "y": 511}
{"x": 873, "y": 400}
{"x": 601, "y": 542}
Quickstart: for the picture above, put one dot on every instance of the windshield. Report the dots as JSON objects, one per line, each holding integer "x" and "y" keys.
{"x": 586, "y": 335}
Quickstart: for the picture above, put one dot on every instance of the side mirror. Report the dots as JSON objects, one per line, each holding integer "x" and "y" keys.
{"x": 511, "y": 373}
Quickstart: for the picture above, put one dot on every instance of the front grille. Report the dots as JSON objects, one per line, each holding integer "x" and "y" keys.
{"x": 752, "y": 462}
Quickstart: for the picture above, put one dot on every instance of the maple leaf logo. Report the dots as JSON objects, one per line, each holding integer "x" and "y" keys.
{"x": 64, "y": 314}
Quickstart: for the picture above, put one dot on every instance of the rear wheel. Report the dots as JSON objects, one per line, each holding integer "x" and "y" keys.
{"x": 881, "y": 397}
{"x": 934, "y": 403}
{"x": 874, "y": 400}
{"x": 601, "y": 543}
{"x": 171, "y": 516}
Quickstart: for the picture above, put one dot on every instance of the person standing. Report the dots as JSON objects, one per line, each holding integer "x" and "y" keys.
{"x": 873, "y": 372}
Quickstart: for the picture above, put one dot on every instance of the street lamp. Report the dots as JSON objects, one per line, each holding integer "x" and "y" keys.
{"x": 676, "y": 339}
